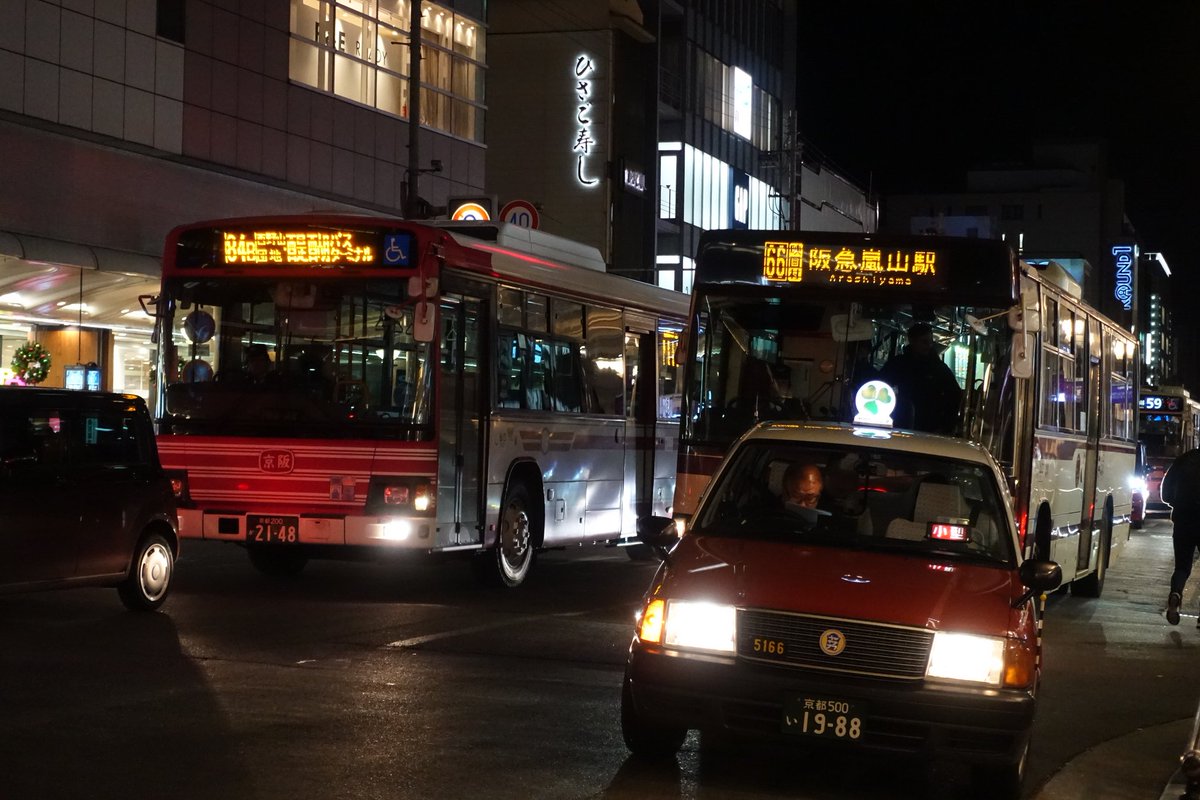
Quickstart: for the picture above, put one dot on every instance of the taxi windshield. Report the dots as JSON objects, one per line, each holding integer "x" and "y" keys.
{"x": 860, "y": 498}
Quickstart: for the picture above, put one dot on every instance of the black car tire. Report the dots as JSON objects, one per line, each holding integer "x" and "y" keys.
{"x": 150, "y": 573}
{"x": 1002, "y": 781}
{"x": 277, "y": 562}
{"x": 646, "y": 739}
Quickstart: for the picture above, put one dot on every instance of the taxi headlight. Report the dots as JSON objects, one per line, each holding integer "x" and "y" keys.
{"x": 1138, "y": 484}
{"x": 700, "y": 626}
{"x": 964, "y": 657}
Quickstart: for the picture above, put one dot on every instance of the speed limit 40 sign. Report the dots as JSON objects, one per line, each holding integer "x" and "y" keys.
{"x": 521, "y": 213}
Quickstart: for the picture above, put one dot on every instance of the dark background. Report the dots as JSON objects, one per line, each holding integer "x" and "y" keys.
{"x": 905, "y": 97}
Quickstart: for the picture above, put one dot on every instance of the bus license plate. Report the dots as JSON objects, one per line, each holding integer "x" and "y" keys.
{"x": 824, "y": 717}
{"x": 269, "y": 529}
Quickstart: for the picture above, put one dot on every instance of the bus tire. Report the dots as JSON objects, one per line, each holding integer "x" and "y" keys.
{"x": 277, "y": 562}
{"x": 1092, "y": 585}
{"x": 507, "y": 564}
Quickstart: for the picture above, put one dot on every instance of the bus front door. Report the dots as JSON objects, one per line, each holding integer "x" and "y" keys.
{"x": 459, "y": 432}
{"x": 640, "y": 384}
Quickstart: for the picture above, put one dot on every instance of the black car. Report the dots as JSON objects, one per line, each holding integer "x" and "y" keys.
{"x": 83, "y": 498}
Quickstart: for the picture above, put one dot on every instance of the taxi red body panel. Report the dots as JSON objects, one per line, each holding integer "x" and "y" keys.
{"x": 899, "y": 589}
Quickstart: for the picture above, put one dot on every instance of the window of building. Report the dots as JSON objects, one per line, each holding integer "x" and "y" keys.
{"x": 727, "y": 97}
{"x": 169, "y": 20}
{"x": 668, "y": 179}
{"x": 360, "y": 51}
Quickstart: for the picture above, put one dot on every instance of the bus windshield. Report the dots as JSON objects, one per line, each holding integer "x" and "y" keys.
{"x": 762, "y": 356}
{"x": 298, "y": 358}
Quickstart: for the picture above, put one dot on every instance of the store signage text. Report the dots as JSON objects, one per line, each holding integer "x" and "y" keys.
{"x": 584, "y": 70}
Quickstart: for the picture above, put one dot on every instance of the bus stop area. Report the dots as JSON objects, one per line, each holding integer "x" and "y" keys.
{"x": 1144, "y": 763}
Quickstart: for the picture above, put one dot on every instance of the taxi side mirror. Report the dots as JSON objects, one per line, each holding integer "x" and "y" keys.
{"x": 1038, "y": 577}
{"x": 658, "y": 533}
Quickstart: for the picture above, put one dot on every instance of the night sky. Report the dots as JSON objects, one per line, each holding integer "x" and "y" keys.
{"x": 907, "y": 100}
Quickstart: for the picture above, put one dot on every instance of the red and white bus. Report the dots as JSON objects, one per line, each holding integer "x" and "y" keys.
{"x": 476, "y": 388}
{"x": 791, "y": 325}
{"x": 1168, "y": 425}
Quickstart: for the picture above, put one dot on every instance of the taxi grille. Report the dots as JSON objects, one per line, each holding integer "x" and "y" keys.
{"x": 885, "y": 651}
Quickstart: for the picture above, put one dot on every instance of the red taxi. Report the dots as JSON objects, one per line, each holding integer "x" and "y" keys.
{"x": 897, "y": 614}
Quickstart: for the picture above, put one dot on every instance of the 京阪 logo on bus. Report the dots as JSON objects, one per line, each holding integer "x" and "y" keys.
{"x": 794, "y": 262}
{"x": 277, "y": 462}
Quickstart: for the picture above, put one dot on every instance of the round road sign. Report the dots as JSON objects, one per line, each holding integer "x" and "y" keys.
{"x": 521, "y": 213}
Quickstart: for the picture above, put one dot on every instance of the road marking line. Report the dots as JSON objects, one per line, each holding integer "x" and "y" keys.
{"x": 433, "y": 637}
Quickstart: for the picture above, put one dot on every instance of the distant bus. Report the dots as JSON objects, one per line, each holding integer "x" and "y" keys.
{"x": 1167, "y": 426}
{"x": 475, "y": 389}
{"x": 791, "y": 325}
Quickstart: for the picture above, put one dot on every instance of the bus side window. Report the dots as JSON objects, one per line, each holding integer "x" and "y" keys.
{"x": 537, "y": 390}
{"x": 510, "y": 366}
{"x": 567, "y": 392}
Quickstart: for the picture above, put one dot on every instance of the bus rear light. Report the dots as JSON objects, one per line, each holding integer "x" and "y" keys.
{"x": 396, "y": 495}
{"x": 179, "y": 485}
{"x": 390, "y": 495}
{"x": 422, "y": 500}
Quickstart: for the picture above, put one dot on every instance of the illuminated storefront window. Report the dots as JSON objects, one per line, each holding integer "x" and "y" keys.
{"x": 359, "y": 51}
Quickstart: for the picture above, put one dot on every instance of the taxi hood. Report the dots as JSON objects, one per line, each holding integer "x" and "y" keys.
{"x": 909, "y": 589}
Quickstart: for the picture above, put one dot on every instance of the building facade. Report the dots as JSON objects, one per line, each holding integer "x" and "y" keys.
{"x": 1064, "y": 206}
{"x": 636, "y": 126}
{"x": 120, "y": 119}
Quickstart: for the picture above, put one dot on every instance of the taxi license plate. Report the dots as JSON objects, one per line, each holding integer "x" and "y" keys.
{"x": 271, "y": 529}
{"x": 823, "y": 717}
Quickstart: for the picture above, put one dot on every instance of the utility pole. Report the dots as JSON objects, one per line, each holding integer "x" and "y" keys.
{"x": 412, "y": 199}
{"x": 795, "y": 163}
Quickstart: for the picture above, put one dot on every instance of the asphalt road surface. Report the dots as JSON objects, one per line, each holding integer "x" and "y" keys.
{"x": 412, "y": 681}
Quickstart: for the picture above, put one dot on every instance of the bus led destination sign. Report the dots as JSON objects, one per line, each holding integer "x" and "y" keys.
{"x": 796, "y": 262}
{"x": 298, "y": 248}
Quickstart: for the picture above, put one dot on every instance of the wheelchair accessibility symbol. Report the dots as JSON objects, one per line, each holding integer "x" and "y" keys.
{"x": 396, "y": 247}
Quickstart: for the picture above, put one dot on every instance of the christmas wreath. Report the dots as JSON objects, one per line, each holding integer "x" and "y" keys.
{"x": 31, "y": 362}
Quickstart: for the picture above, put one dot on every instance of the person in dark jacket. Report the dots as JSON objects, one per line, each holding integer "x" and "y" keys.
{"x": 927, "y": 393}
{"x": 1181, "y": 490}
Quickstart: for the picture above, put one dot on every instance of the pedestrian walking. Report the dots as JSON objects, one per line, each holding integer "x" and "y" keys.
{"x": 1181, "y": 490}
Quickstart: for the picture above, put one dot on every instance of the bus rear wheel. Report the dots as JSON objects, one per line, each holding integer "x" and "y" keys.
{"x": 1092, "y": 585}
{"x": 509, "y": 562}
